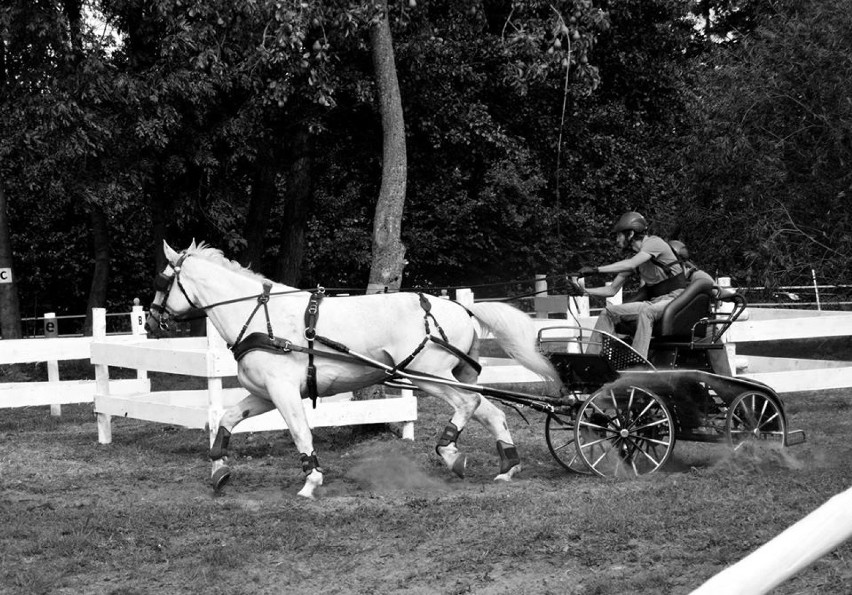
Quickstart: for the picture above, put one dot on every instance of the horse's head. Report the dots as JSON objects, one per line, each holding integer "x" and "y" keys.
{"x": 169, "y": 304}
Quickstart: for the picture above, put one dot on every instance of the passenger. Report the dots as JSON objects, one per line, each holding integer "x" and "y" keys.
{"x": 692, "y": 272}
{"x": 661, "y": 277}
{"x": 682, "y": 253}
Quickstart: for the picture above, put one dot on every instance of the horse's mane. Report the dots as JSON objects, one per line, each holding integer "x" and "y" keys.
{"x": 217, "y": 256}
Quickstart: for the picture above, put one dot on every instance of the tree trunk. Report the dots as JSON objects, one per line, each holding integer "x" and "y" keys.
{"x": 298, "y": 199}
{"x": 161, "y": 209}
{"x": 263, "y": 194}
{"x": 388, "y": 250}
{"x": 10, "y": 313}
{"x": 100, "y": 275}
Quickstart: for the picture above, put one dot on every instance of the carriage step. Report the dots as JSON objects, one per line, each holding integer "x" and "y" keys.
{"x": 795, "y": 437}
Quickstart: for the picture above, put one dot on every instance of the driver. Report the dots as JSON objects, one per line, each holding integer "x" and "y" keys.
{"x": 661, "y": 278}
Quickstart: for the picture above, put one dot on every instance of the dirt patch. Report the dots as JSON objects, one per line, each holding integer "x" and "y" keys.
{"x": 137, "y": 516}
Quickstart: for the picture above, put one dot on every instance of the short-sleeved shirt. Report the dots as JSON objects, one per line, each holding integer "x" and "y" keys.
{"x": 657, "y": 247}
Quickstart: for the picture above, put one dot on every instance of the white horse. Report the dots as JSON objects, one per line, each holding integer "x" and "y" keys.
{"x": 435, "y": 340}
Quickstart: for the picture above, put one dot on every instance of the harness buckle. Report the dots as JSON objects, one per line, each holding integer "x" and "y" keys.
{"x": 264, "y": 296}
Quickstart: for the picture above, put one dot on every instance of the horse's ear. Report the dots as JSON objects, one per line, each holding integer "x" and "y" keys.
{"x": 171, "y": 255}
{"x": 192, "y": 245}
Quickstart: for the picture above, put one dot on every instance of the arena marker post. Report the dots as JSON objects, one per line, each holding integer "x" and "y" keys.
{"x": 51, "y": 331}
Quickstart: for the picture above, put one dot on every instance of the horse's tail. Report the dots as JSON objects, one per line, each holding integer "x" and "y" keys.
{"x": 516, "y": 334}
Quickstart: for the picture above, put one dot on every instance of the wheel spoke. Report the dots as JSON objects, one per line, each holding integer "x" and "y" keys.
{"x": 761, "y": 425}
{"x": 599, "y": 459}
{"x": 595, "y": 442}
{"x": 644, "y": 411}
{"x": 649, "y": 457}
{"x": 654, "y": 441}
{"x": 593, "y": 426}
{"x": 650, "y": 425}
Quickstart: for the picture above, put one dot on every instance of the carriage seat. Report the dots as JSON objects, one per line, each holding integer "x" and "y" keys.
{"x": 688, "y": 308}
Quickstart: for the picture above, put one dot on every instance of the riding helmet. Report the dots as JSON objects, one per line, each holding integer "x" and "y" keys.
{"x": 631, "y": 221}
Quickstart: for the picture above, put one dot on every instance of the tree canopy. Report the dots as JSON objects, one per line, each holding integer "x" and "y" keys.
{"x": 530, "y": 126}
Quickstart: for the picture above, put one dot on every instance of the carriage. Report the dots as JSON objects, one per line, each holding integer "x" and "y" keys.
{"x": 621, "y": 414}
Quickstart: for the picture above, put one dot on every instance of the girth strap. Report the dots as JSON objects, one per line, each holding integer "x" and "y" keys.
{"x": 311, "y": 317}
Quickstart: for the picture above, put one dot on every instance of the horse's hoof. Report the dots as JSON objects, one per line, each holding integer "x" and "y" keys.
{"x": 220, "y": 478}
{"x": 507, "y": 476}
{"x": 312, "y": 482}
{"x": 460, "y": 465}
{"x": 307, "y": 494}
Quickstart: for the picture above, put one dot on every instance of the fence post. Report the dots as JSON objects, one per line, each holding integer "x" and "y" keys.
{"x": 464, "y": 297}
{"x": 215, "y": 396}
{"x": 579, "y": 306}
{"x": 101, "y": 375}
{"x": 540, "y": 284}
{"x": 137, "y": 318}
{"x": 816, "y": 290}
{"x": 137, "y": 328}
{"x": 51, "y": 331}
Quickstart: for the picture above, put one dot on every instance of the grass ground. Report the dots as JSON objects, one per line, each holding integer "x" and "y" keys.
{"x": 137, "y": 517}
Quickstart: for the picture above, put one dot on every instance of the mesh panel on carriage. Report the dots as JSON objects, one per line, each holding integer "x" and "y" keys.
{"x": 620, "y": 355}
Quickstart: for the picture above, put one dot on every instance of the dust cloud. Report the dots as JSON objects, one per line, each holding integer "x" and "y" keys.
{"x": 377, "y": 469}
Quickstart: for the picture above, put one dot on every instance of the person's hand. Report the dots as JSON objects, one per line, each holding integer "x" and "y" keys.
{"x": 588, "y": 270}
{"x": 574, "y": 288}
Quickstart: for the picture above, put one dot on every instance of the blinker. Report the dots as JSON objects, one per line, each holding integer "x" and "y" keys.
{"x": 163, "y": 282}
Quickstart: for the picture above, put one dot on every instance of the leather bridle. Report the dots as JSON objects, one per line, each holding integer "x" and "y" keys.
{"x": 164, "y": 283}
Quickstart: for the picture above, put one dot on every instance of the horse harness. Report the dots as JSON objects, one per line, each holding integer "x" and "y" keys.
{"x": 269, "y": 342}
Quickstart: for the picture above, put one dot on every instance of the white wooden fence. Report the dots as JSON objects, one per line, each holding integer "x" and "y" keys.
{"x": 209, "y": 358}
{"x": 56, "y": 392}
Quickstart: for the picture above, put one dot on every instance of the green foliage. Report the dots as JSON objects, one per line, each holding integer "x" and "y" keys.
{"x": 774, "y": 152}
{"x": 530, "y": 126}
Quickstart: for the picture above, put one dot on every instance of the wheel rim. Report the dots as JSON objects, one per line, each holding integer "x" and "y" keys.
{"x": 559, "y": 434}
{"x": 755, "y": 416}
{"x": 624, "y": 432}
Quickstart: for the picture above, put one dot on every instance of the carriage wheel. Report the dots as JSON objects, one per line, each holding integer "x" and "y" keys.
{"x": 624, "y": 432}
{"x": 559, "y": 433}
{"x": 755, "y": 415}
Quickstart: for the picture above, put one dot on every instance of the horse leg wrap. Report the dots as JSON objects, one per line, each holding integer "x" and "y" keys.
{"x": 450, "y": 435}
{"x": 309, "y": 463}
{"x": 447, "y": 450}
{"x": 508, "y": 456}
{"x": 219, "y": 450}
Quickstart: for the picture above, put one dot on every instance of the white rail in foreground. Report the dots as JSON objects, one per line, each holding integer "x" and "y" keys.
{"x": 790, "y": 552}
{"x": 210, "y": 359}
